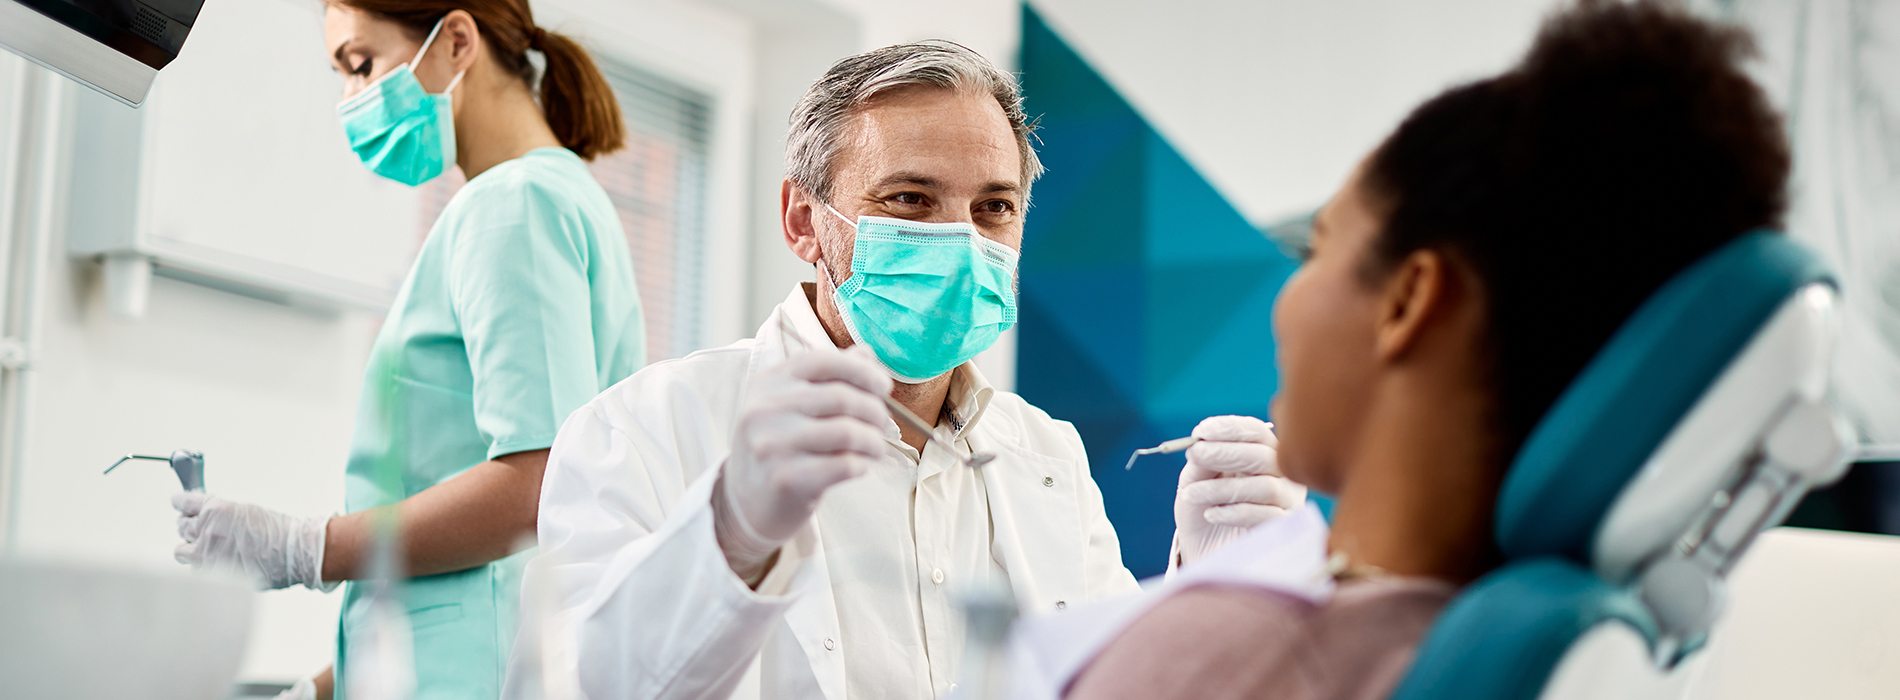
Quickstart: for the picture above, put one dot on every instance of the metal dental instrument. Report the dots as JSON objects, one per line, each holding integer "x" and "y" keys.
{"x": 190, "y": 467}
{"x": 1210, "y": 536}
{"x": 976, "y": 459}
{"x": 1166, "y": 448}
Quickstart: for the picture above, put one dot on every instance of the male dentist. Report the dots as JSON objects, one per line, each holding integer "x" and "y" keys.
{"x": 750, "y": 522}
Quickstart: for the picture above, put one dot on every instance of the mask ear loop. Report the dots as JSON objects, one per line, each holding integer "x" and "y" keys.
{"x": 822, "y": 258}
{"x": 841, "y": 217}
{"x": 426, "y": 43}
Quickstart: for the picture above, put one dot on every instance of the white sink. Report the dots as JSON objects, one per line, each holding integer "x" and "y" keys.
{"x": 83, "y": 632}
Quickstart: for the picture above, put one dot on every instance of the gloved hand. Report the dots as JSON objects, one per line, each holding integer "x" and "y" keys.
{"x": 806, "y": 425}
{"x": 276, "y": 550}
{"x": 1232, "y": 482}
{"x": 304, "y": 689}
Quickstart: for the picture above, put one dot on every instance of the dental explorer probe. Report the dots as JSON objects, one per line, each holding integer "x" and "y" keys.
{"x": 1219, "y": 534}
{"x": 976, "y": 459}
{"x": 1208, "y": 538}
{"x": 1167, "y": 448}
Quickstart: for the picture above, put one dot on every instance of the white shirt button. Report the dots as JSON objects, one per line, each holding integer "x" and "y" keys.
{"x": 936, "y": 576}
{"x": 830, "y": 645}
{"x": 1062, "y": 605}
{"x": 1048, "y": 481}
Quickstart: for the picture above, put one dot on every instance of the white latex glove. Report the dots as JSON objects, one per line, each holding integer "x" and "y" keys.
{"x": 805, "y": 426}
{"x": 1232, "y": 482}
{"x": 274, "y": 549}
{"x": 304, "y": 689}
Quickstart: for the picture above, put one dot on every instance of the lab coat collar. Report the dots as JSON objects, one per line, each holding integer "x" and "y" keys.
{"x": 970, "y": 392}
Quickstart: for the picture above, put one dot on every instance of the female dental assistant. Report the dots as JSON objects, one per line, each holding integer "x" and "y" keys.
{"x": 521, "y": 307}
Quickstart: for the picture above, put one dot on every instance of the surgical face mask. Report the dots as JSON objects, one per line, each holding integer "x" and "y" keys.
{"x": 398, "y": 130}
{"x": 924, "y": 297}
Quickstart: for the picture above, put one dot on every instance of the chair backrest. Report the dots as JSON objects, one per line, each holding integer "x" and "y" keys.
{"x": 1700, "y": 423}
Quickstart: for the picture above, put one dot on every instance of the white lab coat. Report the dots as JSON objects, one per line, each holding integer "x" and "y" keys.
{"x": 635, "y": 599}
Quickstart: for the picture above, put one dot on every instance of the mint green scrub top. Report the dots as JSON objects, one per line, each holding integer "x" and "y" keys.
{"x": 520, "y": 308}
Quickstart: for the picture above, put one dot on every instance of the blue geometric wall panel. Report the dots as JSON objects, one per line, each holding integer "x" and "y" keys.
{"x": 1146, "y": 298}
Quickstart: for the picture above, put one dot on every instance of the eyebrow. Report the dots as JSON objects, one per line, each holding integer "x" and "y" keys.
{"x": 338, "y": 55}
{"x": 922, "y": 180}
{"x": 1001, "y": 186}
{"x": 907, "y": 178}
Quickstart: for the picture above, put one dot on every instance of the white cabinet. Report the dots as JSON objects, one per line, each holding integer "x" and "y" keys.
{"x": 235, "y": 174}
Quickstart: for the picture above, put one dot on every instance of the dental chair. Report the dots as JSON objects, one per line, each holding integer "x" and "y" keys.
{"x": 1699, "y": 424}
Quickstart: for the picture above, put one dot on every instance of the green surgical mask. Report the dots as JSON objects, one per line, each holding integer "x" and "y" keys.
{"x": 399, "y": 130}
{"x": 925, "y": 297}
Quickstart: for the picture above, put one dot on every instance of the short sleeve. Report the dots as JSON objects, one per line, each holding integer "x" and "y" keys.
{"x": 518, "y": 281}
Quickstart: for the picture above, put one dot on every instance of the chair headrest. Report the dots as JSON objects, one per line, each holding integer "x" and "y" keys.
{"x": 1613, "y": 417}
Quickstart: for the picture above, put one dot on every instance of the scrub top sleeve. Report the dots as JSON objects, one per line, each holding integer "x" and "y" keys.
{"x": 522, "y": 298}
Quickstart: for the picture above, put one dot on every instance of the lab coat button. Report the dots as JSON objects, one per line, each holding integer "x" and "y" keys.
{"x": 936, "y": 576}
{"x": 1048, "y": 481}
{"x": 830, "y": 645}
{"x": 1061, "y": 605}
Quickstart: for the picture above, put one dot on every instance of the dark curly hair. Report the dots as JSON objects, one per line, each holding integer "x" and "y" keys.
{"x": 1626, "y": 145}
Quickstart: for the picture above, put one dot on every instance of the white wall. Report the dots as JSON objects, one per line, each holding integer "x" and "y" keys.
{"x": 1276, "y": 100}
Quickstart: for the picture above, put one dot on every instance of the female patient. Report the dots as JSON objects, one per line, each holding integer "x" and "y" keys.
{"x": 1457, "y": 282}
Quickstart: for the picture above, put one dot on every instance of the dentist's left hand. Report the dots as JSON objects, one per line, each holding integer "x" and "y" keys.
{"x": 274, "y": 549}
{"x": 1231, "y": 483}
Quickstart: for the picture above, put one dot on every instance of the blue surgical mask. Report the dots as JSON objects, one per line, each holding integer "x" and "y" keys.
{"x": 925, "y": 297}
{"x": 400, "y": 131}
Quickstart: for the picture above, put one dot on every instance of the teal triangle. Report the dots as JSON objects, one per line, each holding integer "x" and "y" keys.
{"x": 1101, "y": 226}
{"x": 1068, "y": 372}
{"x": 1080, "y": 154}
{"x": 1054, "y": 74}
{"x": 1099, "y": 310}
{"x": 1235, "y": 371}
{"x": 1188, "y": 218}
{"x": 1146, "y": 298}
{"x": 1186, "y": 305}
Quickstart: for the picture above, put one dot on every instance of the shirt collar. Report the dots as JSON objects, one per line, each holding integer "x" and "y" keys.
{"x": 970, "y": 391}
{"x": 799, "y": 322}
{"x": 969, "y": 395}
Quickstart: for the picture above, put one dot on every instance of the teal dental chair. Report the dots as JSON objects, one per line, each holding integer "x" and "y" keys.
{"x": 1698, "y": 425}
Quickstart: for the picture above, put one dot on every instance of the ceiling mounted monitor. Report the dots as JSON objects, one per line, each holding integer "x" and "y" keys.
{"x": 113, "y": 46}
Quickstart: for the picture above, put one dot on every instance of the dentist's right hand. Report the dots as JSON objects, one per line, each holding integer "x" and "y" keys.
{"x": 806, "y": 425}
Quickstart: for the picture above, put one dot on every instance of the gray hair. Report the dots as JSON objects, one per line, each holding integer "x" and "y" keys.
{"x": 819, "y": 118}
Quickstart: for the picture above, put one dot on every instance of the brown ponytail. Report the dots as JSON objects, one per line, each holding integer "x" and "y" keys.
{"x": 579, "y": 105}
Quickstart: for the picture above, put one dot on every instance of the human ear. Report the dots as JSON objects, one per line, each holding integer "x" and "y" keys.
{"x": 463, "y": 38}
{"x": 1415, "y": 294}
{"x": 795, "y": 213}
